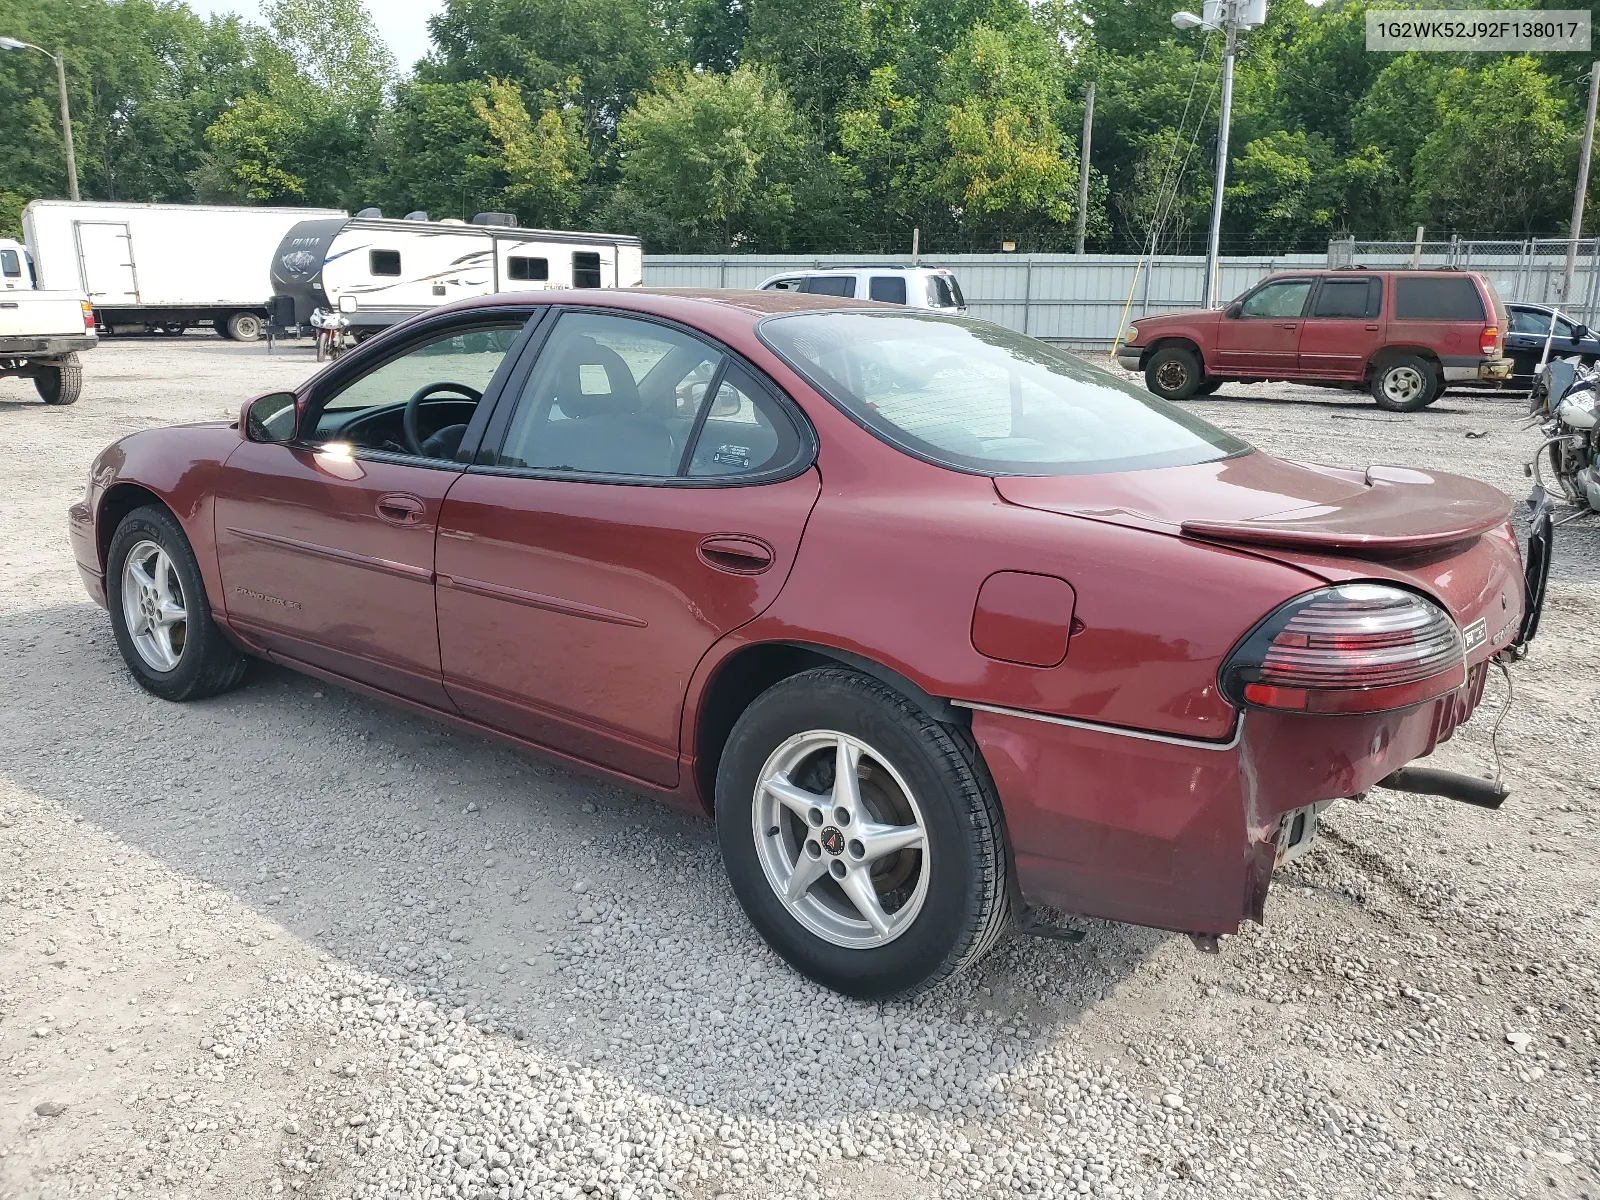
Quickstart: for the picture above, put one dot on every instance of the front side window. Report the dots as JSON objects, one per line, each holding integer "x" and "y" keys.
{"x": 10, "y": 264}
{"x": 1437, "y": 298}
{"x": 975, "y": 397}
{"x": 887, "y": 289}
{"x": 519, "y": 267}
{"x": 448, "y": 372}
{"x": 1352, "y": 299}
{"x": 829, "y": 285}
{"x": 384, "y": 262}
{"x": 586, "y": 269}
{"x": 1277, "y": 300}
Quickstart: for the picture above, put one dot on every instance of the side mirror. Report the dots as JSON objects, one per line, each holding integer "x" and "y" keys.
{"x": 1581, "y": 332}
{"x": 1234, "y": 309}
{"x": 270, "y": 418}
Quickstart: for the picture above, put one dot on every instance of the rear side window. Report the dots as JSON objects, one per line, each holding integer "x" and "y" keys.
{"x": 941, "y": 294}
{"x": 745, "y": 430}
{"x": 830, "y": 285}
{"x": 585, "y": 269}
{"x": 791, "y": 284}
{"x": 1436, "y": 298}
{"x": 518, "y": 267}
{"x": 384, "y": 262}
{"x": 1351, "y": 298}
{"x": 10, "y": 264}
{"x": 888, "y": 289}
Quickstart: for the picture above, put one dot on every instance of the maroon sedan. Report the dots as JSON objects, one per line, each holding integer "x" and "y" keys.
{"x": 942, "y": 624}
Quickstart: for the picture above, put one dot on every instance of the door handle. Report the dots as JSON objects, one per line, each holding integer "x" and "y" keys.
{"x": 736, "y": 553}
{"x": 1287, "y": 325}
{"x": 1373, "y": 328}
{"x": 401, "y": 508}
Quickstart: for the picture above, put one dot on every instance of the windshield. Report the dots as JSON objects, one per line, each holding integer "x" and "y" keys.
{"x": 979, "y": 398}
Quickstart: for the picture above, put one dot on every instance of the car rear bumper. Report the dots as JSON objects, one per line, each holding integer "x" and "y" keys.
{"x": 80, "y": 530}
{"x": 1462, "y": 370}
{"x": 51, "y": 345}
{"x": 1182, "y": 834}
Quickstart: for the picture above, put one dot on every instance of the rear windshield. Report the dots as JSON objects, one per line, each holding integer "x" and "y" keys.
{"x": 975, "y": 397}
{"x": 1436, "y": 298}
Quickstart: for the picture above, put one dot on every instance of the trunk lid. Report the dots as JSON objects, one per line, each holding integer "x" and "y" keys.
{"x": 41, "y": 314}
{"x": 1441, "y": 534}
{"x": 1257, "y": 500}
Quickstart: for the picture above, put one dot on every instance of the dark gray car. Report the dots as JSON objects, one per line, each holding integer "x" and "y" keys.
{"x": 1528, "y": 332}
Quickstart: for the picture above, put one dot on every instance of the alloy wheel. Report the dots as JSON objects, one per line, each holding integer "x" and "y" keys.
{"x": 153, "y": 606}
{"x": 841, "y": 839}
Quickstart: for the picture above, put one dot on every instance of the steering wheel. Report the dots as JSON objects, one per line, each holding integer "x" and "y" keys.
{"x": 410, "y": 422}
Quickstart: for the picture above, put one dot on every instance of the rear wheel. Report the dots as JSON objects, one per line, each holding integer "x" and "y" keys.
{"x": 61, "y": 383}
{"x": 160, "y": 613}
{"x": 1406, "y": 383}
{"x": 862, "y": 837}
{"x": 1173, "y": 373}
{"x": 244, "y": 327}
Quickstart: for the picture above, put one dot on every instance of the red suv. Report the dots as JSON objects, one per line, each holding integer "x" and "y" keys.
{"x": 1403, "y": 335}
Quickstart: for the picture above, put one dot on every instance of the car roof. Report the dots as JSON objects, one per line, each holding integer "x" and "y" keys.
{"x": 665, "y": 301}
{"x": 848, "y": 270}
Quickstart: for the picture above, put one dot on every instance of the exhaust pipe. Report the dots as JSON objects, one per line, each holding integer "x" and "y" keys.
{"x": 1429, "y": 781}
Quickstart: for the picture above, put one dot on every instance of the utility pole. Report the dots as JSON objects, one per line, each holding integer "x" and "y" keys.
{"x": 1083, "y": 165}
{"x": 1228, "y": 16}
{"x": 1224, "y": 118}
{"x": 11, "y": 43}
{"x": 1576, "y": 231}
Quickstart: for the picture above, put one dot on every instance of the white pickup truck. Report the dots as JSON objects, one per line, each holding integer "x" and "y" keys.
{"x": 41, "y": 334}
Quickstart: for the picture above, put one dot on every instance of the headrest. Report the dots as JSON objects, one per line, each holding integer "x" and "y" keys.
{"x": 622, "y": 395}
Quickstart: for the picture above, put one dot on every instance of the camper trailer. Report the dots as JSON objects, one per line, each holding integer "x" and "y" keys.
{"x": 374, "y": 270}
{"x": 149, "y": 267}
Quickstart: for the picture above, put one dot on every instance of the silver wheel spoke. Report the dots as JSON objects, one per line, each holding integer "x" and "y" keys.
{"x": 796, "y": 799}
{"x": 164, "y": 579}
{"x": 140, "y": 574}
{"x": 807, "y": 871}
{"x": 152, "y": 606}
{"x": 847, "y": 779}
{"x": 881, "y": 840}
{"x": 162, "y": 637}
{"x": 858, "y": 886}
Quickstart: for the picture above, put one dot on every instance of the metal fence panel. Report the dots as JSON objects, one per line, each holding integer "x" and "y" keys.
{"x": 1074, "y": 299}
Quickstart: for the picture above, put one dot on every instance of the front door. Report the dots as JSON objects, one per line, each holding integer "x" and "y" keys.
{"x": 647, "y": 497}
{"x": 1260, "y": 336}
{"x": 1343, "y": 328}
{"x": 326, "y": 544}
{"x": 105, "y": 258}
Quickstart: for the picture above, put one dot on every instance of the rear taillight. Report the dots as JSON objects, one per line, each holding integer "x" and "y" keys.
{"x": 1354, "y": 648}
{"x": 88, "y": 314}
{"x": 1489, "y": 341}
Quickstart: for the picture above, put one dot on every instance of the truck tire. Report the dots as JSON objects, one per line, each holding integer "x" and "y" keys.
{"x": 61, "y": 383}
{"x": 1173, "y": 373}
{"x": 1406, "y": 383}
{"x": 243, "y": 327}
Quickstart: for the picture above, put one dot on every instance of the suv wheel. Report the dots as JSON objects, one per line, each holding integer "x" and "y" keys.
{"x": 862, "y": 838}
{"x": 1173, "y": 373}
{"x": 1406, "y": 383}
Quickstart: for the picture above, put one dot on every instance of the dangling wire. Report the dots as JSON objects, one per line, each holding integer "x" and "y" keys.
{"x": 1494, "y": 734}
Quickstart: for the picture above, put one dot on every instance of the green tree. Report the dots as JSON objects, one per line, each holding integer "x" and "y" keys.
{"x": 1285, "y": 188}
{"x": 544, "y": 157}
{"x": 434, "y": 152}
{"x": 879, "y": 159}
{"x": 819, "y": 50}
{"x": 994, "y": 151}
{"x": 710, "y": 162}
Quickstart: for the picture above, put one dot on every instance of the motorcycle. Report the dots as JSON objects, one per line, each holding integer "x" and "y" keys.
{"x": 328, "y": 328}
{"x": 1565, "y": 403}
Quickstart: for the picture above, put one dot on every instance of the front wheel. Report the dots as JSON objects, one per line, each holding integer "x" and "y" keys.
{"x": 160, "y": 613}
{"x": 1406, "y": 384}
{"x": 61, "y": 383}
{"x": 244, "y": 327}
{"x": 1173, "y": 373}
{"x": 862, "y": 838}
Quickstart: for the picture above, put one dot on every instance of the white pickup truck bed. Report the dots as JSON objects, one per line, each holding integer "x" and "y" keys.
{"x": 40, "y": 336}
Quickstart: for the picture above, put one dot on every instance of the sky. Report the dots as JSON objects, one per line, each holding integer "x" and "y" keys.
{"x": 403, "y": 23}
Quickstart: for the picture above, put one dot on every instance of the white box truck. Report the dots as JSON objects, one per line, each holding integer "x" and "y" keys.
{"x": 149, "y": 267}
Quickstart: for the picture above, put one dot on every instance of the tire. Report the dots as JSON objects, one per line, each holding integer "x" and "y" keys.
{"x": 244, "y": 326}
{"x": 945, "y": 903}
{"x": 61, "y": 384}
{"x": 1406, "y": 383}
{"x": 1208, "y": 387}
{"x": 203, "y": 662}
{"x": 1173, "y": 373}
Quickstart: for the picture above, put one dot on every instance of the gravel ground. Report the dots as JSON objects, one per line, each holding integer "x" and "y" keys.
{"x": 291, "y": 940}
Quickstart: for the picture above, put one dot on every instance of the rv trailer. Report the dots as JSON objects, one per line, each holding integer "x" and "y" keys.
{"x": 162, "y": 266}
{"x": 374, "y": 271}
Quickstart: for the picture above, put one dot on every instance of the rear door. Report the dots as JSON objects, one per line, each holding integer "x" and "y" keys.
{"x": 645, "y": 496}
{"x": 1260, "y": 336}
{"x": 105, "y": 257}
{"x": 1343, "y": 327}
{"x": 829, "y": 285}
